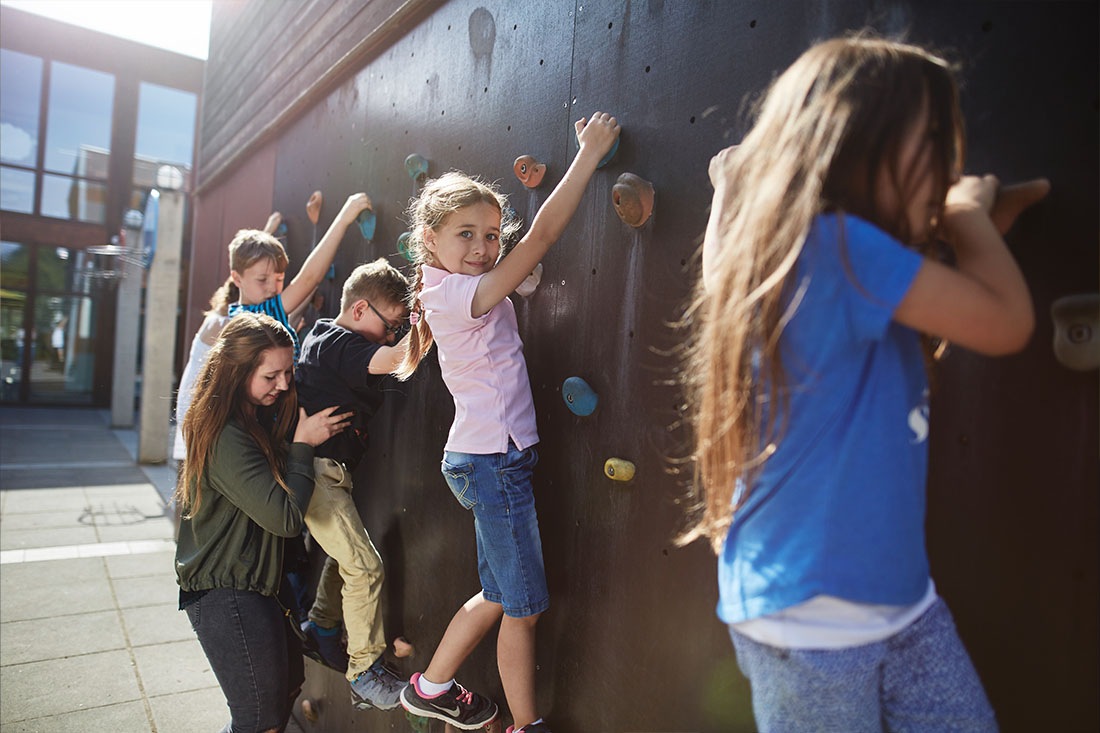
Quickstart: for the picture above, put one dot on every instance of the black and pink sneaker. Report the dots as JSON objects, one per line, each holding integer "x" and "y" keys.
{"x": 458, "y": 706}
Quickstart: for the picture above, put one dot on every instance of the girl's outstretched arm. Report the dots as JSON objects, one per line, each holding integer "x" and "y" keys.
{"x": 983, "y": 303}
{"x": 316, "y": 264}
{"x": 596, "y": 137}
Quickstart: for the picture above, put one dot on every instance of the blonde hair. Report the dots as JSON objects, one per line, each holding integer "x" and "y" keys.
{"x": 830, "y": 126}
{"x": 377, "y": 281}
{"x": 440, "y": 198}
{"x": 220, "y": 397}
{"x": 249, "y": 246}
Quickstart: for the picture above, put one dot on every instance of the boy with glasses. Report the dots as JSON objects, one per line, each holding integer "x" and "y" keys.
{"x": 343, "y": 362}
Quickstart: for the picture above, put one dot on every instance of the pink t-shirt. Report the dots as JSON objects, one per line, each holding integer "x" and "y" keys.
{"x": 482, "y": 364}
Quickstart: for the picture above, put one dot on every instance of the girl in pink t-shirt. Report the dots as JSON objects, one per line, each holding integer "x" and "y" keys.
{"x": 459, "y": 301}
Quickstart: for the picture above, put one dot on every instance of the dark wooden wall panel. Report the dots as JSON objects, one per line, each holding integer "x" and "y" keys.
{"x": 1013, "y": 514}
{"x": 241, "y": 201}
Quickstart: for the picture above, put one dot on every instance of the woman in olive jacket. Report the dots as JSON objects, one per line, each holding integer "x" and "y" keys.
{"x": 243, "y": 490}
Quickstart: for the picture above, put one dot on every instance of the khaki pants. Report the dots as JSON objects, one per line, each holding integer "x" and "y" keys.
{"x": 334, "y": 523}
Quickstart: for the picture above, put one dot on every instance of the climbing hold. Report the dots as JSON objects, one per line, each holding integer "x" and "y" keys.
{"x": 633, "y": 199}
{"x": 529, "y": 171}
{"x": 416, "y": 166}
{"x": 1012, "y": 200}
{"x": 610, "y": 153}
{"x": 367, "y": 221}
{"x": 403, "y": 246}
{"x": 280, "y": 231}
{"x": 313, "y": 206}
{"x": 309, "y": 710}
{"x": 402, "y": 648}
{"x": 418, "y": 723}
{"x": 1077, "y": 331}
{"x": 532, "y": 281}
{"x": 579, "y": 397}
{"x": 618, "y": 469}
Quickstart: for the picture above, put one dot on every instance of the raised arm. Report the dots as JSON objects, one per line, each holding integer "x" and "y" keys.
{"x": 983, "y": 303}
{"x": 387, "y": 358}
{"x": 317, "y": 263}
{"x": 719, "y": 180}
{"x": 596, "y": 137}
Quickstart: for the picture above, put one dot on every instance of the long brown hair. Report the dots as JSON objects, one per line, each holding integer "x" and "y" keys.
{"x": 220, "y": 397}
{"x": 440, "y": 198}
{"x": 828, "y": 130}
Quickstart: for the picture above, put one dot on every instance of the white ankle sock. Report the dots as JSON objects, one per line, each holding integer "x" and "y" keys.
{"x": 431, "y": 689}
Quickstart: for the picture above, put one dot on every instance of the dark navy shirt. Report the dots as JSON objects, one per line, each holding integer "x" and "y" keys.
{"x": 333, "y": 370}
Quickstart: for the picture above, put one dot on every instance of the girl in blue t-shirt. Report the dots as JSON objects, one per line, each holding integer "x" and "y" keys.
{"x": 808, "y": 387}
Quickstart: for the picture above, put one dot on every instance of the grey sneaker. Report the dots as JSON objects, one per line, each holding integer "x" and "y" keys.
{"x": 377, "y": 687}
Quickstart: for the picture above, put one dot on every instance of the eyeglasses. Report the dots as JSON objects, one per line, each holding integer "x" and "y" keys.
{"x": 390, "y": 327}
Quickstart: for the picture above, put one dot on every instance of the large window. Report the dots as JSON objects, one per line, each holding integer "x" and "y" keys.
{"x": 77, "y": 150}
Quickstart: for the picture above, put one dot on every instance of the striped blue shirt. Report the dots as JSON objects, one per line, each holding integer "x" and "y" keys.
{"x": 273, "y": 307}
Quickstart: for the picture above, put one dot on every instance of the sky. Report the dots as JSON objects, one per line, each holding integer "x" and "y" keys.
{"x": 177, "y": 25}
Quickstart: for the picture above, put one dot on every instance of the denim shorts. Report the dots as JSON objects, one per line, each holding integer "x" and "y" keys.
{"x": 496, "y": 487}
{"x": 920, "y": 679}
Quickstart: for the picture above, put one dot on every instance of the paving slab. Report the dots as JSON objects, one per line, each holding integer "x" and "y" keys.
{"x": 33, "y": 690}
{"x": 46, "y": 601}
{"x": 197, "y": 710}
{"x": 136, "y": 566}
{"x": 47, "y": 477}
{"x": 157, "y": 528}
{"x": 127, "y": 716}
{"x": 16, "y": 577}
{"x": 23, "y": 501}
{"x": 21, "y": 539}
{"x": 65, "y": 636}
{"x": 149, "y": 590}
{"x": 176, "y": 667}
{"x": 156, "y": 624}
{"x": 47, "y": 519}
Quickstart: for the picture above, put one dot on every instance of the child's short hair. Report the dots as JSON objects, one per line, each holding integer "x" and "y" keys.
{"x": 252, "y": 245}
{"x": 377, "y": 281}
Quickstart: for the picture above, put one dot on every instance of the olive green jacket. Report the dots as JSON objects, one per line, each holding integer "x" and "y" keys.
{"x": 235, "y": 539}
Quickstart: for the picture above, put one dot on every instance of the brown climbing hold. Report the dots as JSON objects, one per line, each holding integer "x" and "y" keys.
{"x": 1012, "y": 200}
{"x": 529, "y": 171}
{"x": 402, "y": 647}
{"x": 313, "y": 206}
{"x": 309, "y": 710}
{"x": 633, "y": 198}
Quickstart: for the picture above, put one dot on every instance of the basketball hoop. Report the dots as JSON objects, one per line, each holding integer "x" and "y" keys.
{"x": 108, "y": 263}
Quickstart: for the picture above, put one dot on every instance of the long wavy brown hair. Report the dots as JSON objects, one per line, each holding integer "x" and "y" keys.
{"x": 440, "y": 198}
{"x": 828, "y": 131}
{"x": 220, "y": 396}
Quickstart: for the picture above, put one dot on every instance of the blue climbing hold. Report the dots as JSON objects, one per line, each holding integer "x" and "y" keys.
{"x": 367, "y": 221}
{"x": 280, "y": 231}
{"x": 403, "y": 246}
{"x": 610, "y": 153}
{"x": 579, "y": 397}
{"x": 416, "y": 166}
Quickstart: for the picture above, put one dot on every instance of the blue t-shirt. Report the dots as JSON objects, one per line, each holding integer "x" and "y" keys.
{"x": 273, "y": 307}
{"x": 839, "y": 508}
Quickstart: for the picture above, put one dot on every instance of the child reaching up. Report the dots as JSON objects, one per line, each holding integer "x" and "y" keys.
{"x": 460, "y": 301}
{"x": 805, "y": 368}
{"x": 260, "y": 279}
{"x": 344, "y": 361}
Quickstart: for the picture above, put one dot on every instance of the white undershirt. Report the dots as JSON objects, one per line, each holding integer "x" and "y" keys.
{"x": 828, "y": 622}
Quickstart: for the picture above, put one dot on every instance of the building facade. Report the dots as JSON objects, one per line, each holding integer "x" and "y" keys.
{"x": 85, "y": 120}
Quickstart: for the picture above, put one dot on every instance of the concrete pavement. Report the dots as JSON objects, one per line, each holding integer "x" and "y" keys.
{"x": 90, "y": 635}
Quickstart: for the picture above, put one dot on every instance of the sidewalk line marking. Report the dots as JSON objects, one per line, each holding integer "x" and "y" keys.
{"x": 55, "y": 464}
{"x": 95, "y": 549}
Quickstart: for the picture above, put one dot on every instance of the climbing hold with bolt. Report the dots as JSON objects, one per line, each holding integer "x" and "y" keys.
{"x": 633, "y": 198}
{"x": 313, "y": 206}
{"x": 416, "y": 166}
{"x": 367, "y": 222}
{"x": 618, "y": 470}
{"x": 579, "y": 397}
{"x": 529, "y": 171}
{"x": 527, "y": 287}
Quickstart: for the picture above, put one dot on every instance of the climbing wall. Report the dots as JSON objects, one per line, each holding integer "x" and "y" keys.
{"x": 631, "y": 641}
